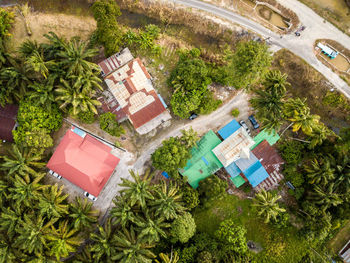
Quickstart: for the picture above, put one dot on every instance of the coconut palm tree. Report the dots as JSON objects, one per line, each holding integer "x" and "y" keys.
{"x": 103, "y": 247}
{"x": 10, "y": 220}
{"x": 343, "y": 170}
{"x": 131, "y": 249}
{"x": 26, "y": 191}
{"x": 53, "y": 204}
{"x": 54, "y": 47}
{"x": 3, "y": 192}
{"x": 63, "y": 240}
{"x": 168, "y": 201}
{"x": 189, "y": 137}
{"x": 8, "y": 252}
{"x": 27, "y": 48}
{"x": 299, "y": 114}
{"x": 319, "y": 133}
{"x": 86, "y": 83}
{"x": 15, "y": 79}
{"x": 123, "y": 213}
{"x": 33, "y": 233}
{"x": 42, "y": 94}
{"x": 325, "y": 197}
{"x": 137, "y": 191}
{"x": 36, "y": 63}
{"x": 82, "y": 214}
{"x": 276, "y": 82}
{"x": 22, "y": 161}
{"x": 150, "y": 228}
{"x": 79, "y": 101}
{"x": 267, "y": 205}
{"x": 320, "y": 172}
{"x": 75, "y": 58}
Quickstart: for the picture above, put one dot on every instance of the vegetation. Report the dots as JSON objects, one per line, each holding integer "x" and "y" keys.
{"x": 235, "y": 112}
{"x": 109, "y": 124}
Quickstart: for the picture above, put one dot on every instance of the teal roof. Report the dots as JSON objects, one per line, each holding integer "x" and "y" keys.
{"x": 270, "y": 137}
{"x": 238, "y": 181}
{"x": 256, "y": 174}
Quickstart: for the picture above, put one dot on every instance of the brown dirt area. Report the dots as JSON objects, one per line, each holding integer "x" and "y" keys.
{"x": 307, "y": 83}
{"x": 42, "y": 23}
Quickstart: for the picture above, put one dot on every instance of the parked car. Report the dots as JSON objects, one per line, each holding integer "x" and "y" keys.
{"x": 254, "y": 122}
{"x": 244, "y": 125}
{"x": 193, "y": 116}
{"x": 55, "y": 174}
{"x": 90, "y": 196}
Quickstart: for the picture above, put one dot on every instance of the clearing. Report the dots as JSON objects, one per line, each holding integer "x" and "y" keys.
{"x": 340, "y": 239}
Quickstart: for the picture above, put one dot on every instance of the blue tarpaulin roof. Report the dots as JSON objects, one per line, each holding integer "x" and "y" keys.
{"x": 165, "y": 174}
{"x": 256, "y": 174}
{"x": 163, "y": 102}
{"x": 229, "y": 129}
{"x": 233, "y": 170}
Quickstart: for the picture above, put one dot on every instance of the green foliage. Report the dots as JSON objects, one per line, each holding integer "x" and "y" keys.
{"x": 190, "y": 80}
{"x": 183, "y": 228}
{"x": 86, "y": 117}
{"x": 171, "y": 155}
{"x": 37, "y": 138}
{"x": 6, "y": 21}
{"x": 267, "y": 205}
{"x": 187, "y": 254}
{"x": 108, "y": 32}
{"x": 249, "y": 62}
{"x": 235, "y": 112}
{"x": 212, "y": 188}
{"x": 205, "y": 257}
{"x": 292, "y": 151}
{"x": 190, "y": 197}
{"x": 109, "y": 124}
{"x": 337, "y": 100}
{"x": 232, "y": 236}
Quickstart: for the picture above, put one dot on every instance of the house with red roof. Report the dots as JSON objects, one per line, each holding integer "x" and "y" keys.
{"x": 132, "y": 92}
{"x": 83, "y": 160}
{"x": 8, "y": 116}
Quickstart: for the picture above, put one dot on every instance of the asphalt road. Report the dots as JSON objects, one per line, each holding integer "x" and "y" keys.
{"x": 301, "y": 46}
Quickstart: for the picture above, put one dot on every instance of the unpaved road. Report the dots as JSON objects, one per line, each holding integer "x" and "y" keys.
{"x": 301, "y": 46}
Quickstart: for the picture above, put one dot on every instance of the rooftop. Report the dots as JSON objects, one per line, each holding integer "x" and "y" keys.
{"x": 229, "y": 129}
{"x": 8, "y": 116}
{"x": 271, "y": 137}
{"x": 115, "y": 61}
{"x": 83, "y": 160}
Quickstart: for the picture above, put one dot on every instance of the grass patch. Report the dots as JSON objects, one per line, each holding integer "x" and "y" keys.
{"x": 308, "y": 83}
{"x": 340, "y": 239}
{"x": 241, "y": 211}
{"x": 335, "y": 11}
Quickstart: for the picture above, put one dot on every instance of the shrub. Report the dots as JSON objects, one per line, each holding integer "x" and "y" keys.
{"x": 188, "y": 254}
{"x": 6, "y": 21}
{"x": 190, "y": 197}
{"x": 86, "y": 117}
{"x": 212, "y": 188}
{"x": 292, "y": 151}
{"x": 235, "y": 112}
{"x": 182, "y": 228}
{"x": 205, "y": 257}
{"x": 109, "y": 124}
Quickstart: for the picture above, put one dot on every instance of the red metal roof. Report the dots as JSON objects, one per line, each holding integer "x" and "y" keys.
{"x": 8, "y": 115}
{"x": 86, "y": 162}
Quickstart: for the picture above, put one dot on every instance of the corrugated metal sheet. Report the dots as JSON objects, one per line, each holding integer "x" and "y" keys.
{"x": 245, "y": 163}
{"x": 115, "y": 61}
{"x": 229, "y": 129}
{"x": 233, "y": 170}
{"x": 256, "y": 174}
{"x": 270, "y": 137}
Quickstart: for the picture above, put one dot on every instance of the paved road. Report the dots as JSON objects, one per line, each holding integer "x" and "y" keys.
{"x": 301, "y": 46}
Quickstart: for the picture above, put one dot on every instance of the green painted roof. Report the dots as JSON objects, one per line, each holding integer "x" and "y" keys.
{"x": 237, "y": 181}
{"x": 271, "y": 138}
{"x": 203, "y": 162}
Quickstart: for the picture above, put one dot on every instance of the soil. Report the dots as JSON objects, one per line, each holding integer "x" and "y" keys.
{"x": 41, "y": 23}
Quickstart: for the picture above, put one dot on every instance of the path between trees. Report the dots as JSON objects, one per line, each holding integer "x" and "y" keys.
{"x": 301, "y": 46}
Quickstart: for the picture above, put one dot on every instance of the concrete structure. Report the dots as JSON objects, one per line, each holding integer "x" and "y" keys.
{"x": 135, "y": 98}
{"x": 84, "y": 161}
{"x": 344, "y": 253}
{"x": 8, "y": 116}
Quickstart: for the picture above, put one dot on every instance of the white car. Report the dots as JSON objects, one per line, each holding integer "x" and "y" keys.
{"x": 55, "y": 174}
{"x": 244, "y": 125}
{"x": 90, "y": 196}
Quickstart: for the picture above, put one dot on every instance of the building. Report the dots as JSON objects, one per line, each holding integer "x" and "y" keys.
{"x": 84, "y": 161}
{"x": 131, "y": 93}
{"x": 332, "y": 54}
{"x": 8, "y": 116}
{"x": 344, "y": 253}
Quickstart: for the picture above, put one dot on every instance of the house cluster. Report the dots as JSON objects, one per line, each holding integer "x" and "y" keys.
{"x": 130, "y": 93}
{"x": 244, "y": 159}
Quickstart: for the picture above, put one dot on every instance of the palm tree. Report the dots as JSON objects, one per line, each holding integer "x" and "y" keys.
{"x": 52, "y": 204}
{"x": 86, "y": 83}
{"x": 16, "y": 81}
{"x": 63, "y": 240}
{"x": 320, "y": 172}
{"x": 82, "y": 214}
{"x": 174, "y": 258}
{"x": 103, "y": 247}
{"x": 8, "y": 252}
{"x": 123, "y": 213}
{"x": 189, "y": 137}
{"x": 10, "y": 219}
{"x": 32, "y": 234}
{"x": 85, "y": 256}
{"x": 168, "y": 202}
{"x": 343, "y": 170}
{"x": 267, "y": 205}
{"x": 137, "y": 191}
{"x": 54, "y": 47}
{"x": 299, "y": 114}
{"x": 276, "y": 81}
{"x": 37, "y": 63}
{"x": 75, "y": 58}
{"x": 151, "y": 229}
{"x": 325, "y": 197}
{"x": 27, "y": 48}
{"x": 22, "y": 161}
{"x": 319, "y": 133}
{"x": 131, "y": 249}
{"x": 79, "y": 101}
{"x": 26, "y": 190}
{"x": 3, "y": 192}
{"x": 42, "y": 94}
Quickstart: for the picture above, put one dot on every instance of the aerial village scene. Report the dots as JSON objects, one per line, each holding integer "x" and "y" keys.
{"x": 175, "y": 131}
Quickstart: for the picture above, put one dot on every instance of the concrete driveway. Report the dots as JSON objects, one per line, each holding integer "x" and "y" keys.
{"x": 301, "y": 46}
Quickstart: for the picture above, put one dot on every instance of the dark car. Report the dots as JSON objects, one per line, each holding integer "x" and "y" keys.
{"x": 253, "y": 121}
{"x": 193, "y": 116}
